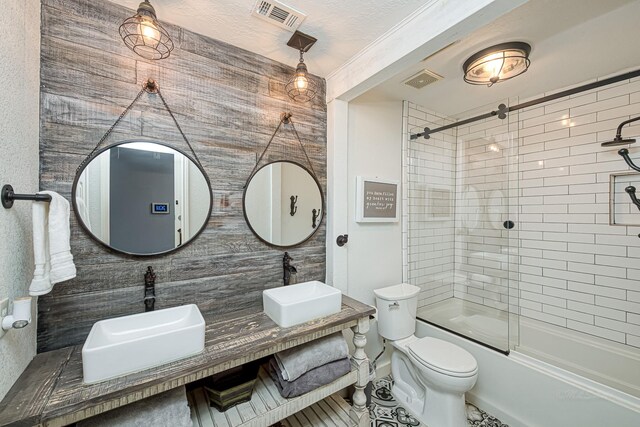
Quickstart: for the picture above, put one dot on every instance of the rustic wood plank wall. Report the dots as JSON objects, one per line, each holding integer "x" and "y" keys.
{"x": 228, "y": 102}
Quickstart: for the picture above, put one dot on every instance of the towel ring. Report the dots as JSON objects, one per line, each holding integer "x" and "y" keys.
{"x": 8, "y": 197}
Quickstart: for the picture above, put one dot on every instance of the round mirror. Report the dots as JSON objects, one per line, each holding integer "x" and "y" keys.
{"x": 283, "y": 204}
{"x": 142, "y": 197}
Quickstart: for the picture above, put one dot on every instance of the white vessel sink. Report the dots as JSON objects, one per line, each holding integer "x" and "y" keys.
{"x": 129, "y": 344}
{"x": 295, "y": 304}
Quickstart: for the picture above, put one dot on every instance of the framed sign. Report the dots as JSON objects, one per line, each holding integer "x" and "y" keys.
{"x": 376, "y": 200}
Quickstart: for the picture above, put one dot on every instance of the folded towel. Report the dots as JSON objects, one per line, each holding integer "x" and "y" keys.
{"x": 168, "y": 409}
{"x": 51, "y": 248}
{"x": 296, "y": 361}
{"x": 310, "y": 380}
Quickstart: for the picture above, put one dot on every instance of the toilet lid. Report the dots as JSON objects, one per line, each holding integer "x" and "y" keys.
{"x": 443, "y": 357}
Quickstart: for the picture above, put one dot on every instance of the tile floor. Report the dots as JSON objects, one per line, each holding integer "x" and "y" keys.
{"x": 385, "y": 411}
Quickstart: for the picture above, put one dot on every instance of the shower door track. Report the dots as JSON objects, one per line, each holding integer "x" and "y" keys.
{"x": 489, "y": 346}
{"x": 503, "y": 109}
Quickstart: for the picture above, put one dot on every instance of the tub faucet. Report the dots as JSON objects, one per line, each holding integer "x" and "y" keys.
{"x": 288, "y": 269}
{"x": 149, "y": 289}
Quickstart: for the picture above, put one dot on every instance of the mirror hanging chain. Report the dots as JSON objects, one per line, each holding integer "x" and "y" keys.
{"x": 286, "y": 119}
{"x": 150, "y": 86}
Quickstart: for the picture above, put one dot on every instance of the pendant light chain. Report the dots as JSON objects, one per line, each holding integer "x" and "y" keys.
{"x": 151, "y": 87}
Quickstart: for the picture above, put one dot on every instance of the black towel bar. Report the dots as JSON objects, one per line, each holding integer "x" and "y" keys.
{"x": 8, "y": 196}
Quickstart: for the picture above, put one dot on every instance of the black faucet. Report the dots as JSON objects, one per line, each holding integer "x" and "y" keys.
{"x": 149, "y": 289}
{"x": 288, "y": 268}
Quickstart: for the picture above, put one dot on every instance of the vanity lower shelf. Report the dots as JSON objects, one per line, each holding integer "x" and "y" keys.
{"x": 267, "y": 407}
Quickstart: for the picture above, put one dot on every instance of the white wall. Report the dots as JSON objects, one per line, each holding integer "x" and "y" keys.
{"x": 374, "y": 249}
{"x": 19, "y": 74}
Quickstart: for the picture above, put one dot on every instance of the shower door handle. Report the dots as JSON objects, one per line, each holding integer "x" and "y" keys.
{"x": 508, "y": 224}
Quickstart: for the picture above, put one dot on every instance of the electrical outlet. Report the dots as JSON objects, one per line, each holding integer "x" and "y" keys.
{"x": 4, "y": 311}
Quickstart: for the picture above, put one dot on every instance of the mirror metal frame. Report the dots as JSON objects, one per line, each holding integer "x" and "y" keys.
{"x": 86, "y": 163}
{"x": 244, "y": 210}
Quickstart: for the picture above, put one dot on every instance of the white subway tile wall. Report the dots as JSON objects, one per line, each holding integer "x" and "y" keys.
{"x": 543, "y": 168}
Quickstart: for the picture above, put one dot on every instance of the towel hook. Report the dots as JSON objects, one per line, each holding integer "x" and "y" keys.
{"x": 8, "y": 196}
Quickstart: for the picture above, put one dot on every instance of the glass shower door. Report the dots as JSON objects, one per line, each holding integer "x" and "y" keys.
{"x": 482, "y": 303}
{"x": 486, "y": 261}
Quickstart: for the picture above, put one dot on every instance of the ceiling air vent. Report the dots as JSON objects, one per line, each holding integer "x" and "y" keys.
{"x": 422, "y": 79}
{"x": 278, "y": 14}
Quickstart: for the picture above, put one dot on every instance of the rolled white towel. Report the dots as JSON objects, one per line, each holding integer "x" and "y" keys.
{"x": 297, "y": 360}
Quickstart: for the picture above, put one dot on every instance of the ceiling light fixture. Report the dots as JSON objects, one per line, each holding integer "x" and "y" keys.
{"x": 301, "y": 87}
{"x": 497, "y": 63}
{"x": 143, "y": 34}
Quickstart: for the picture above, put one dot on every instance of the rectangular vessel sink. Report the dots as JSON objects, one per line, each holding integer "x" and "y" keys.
{"x": 129, "y": 344}
{"x": 295, "y": 304}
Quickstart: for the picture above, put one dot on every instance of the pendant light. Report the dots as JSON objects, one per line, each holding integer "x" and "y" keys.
{"x": 497, "y": 63}
{"x": 143, "y": 34}
{"x": 301, "y": 87}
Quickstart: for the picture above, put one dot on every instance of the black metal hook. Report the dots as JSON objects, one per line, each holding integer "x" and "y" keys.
{"x": 315, "y": 213}
{"x": 631, "y": 190}
{"x": 625, "y": 155}
{"x": 8, "y": 196}
{"x": 342, "y": 240}
{"x": 294, "y": 208}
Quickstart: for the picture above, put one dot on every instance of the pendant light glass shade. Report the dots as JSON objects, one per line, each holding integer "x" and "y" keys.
{"x": 497, "y": 63}
{"x": 143, "y": 34}
{"x": 301, "y": 87}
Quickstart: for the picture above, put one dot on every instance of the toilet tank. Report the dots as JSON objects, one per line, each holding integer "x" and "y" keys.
{"x": 397, "y": 306}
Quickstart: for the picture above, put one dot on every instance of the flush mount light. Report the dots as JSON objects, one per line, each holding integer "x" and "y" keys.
{"x": 301, "y": 87}
{"x": 143, "y": 34}
{"x": 497, "y": 63}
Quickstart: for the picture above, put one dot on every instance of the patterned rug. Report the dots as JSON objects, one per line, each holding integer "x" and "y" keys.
{"x": 385, "y": 411}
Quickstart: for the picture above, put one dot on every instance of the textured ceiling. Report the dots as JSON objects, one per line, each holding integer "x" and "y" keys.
{"x": 342, "y": 27}
{"x": 572, "y": 41}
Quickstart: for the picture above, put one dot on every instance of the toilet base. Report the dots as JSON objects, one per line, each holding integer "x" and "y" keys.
{"x": 441, "y": 410}
{"x": 428, "y": 405}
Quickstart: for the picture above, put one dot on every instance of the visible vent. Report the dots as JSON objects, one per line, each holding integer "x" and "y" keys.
{"x": 422, "y": 79}
{"x": 278, "y": 14}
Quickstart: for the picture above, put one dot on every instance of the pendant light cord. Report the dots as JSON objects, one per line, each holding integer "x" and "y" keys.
{"x": 151, "y": 87}
{"x": 284, "y": 118}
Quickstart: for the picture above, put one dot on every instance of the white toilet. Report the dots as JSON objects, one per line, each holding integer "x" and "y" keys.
{"x": 430, "y": 375}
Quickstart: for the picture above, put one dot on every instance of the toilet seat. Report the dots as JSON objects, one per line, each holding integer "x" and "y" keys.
{"x": 443, "y": 357}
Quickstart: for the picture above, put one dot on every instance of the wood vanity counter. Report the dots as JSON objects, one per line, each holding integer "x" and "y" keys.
{"x": 50, "y": 391}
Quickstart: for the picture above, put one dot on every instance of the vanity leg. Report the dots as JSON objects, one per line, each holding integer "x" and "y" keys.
{"x": 359, "y": 412}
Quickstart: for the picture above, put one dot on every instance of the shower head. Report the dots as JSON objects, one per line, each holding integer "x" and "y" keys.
{"x": 619, "y": 140}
